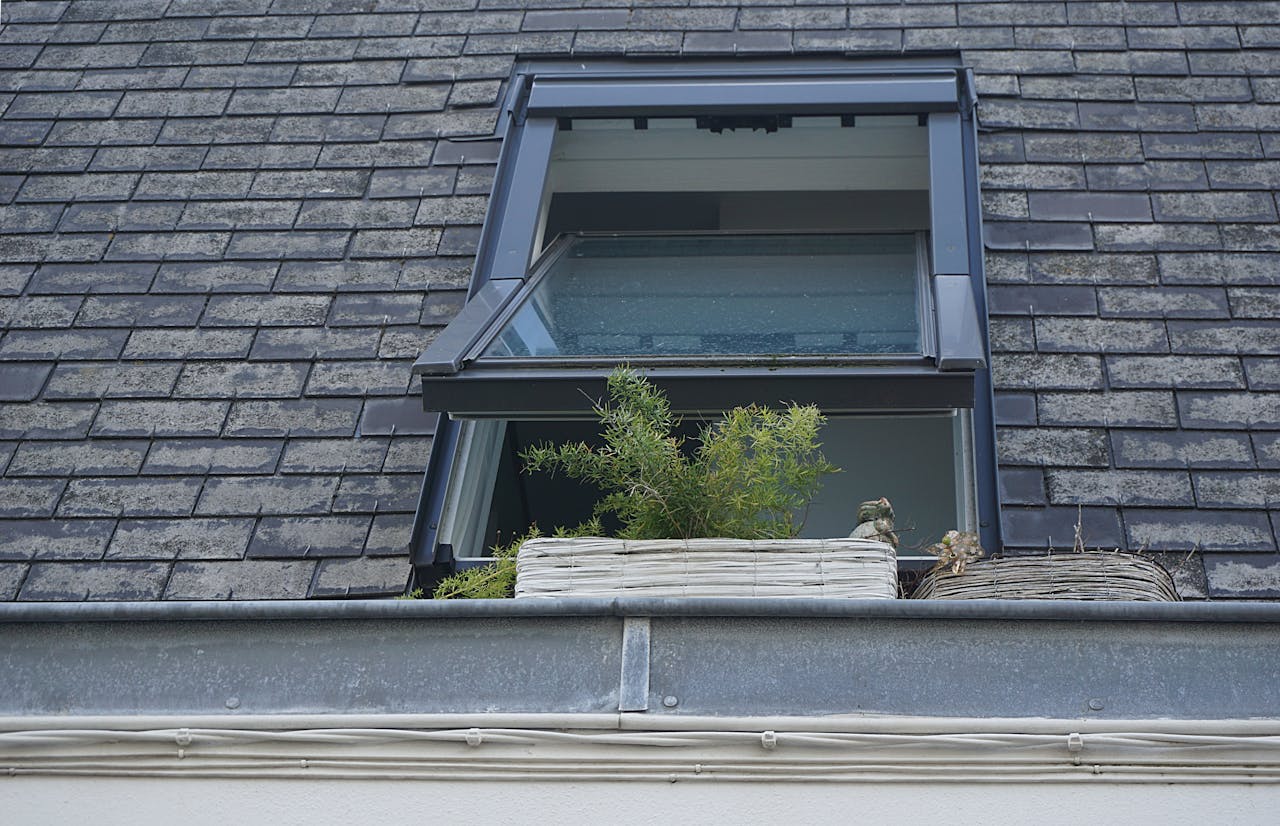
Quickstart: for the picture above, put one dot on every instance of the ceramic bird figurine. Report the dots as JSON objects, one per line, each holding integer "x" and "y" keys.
{"x": 875, "y": 521}
{"x": 956, "y": 550}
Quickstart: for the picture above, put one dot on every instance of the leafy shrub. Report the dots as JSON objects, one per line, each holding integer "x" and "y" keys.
{"x": 497, "y": 579}
{"x": 751, "y": 476}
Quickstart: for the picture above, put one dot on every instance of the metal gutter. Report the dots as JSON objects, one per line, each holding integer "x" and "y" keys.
{"x": 1048, "y": 610}
{"x": 647, "y": 657}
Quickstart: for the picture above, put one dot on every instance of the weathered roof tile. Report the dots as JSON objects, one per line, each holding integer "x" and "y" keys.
{"x": 300, "y": 155}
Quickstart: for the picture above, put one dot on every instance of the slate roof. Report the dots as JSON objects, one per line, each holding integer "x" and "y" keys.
{"x": 227, "y": 228}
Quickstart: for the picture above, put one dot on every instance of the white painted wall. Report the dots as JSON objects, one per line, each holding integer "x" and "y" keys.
{"x": 218, "y": 802}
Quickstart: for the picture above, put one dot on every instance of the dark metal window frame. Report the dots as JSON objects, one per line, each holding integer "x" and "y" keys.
{"x": 939, "y": 90}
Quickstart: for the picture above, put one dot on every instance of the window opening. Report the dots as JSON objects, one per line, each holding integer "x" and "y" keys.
{"x": 776, "y": 238}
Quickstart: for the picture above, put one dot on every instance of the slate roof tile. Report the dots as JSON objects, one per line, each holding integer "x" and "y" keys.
{"x": 240, "y": 579}
{"x": 312, "y": 343}
{"x": 24, "y": 498}
{"x": 185, "y": 538}
{"x": 1042, "y": 529}
{"x": 1022, "y": 486}
{"x": 325, "y": 417}
{"x": 266, "y": 495}
{"x": 113, "y": 496}
{"x": 100, "y": 581}
{"x": 298, "y": 537}
{"x": 1241, "y": 576}
{"x": 1132, "y": 252}
{"x": 1263, "y": 373}
{"x": 1046, "y": 372}
{"x": 1267, "y": 449}
{"x": 361, "y": 310}
{"x": 364, "y": 155}
{"x": 1140, "y": 302}
{"x": 1226, "y": 410}
{"x": 187, "y": 344}
{"x": 210, "y": 130}
{"x": 1061, "y": 447}
{"x": 1011, "y": 335}
{"x": 627, "y": 43}
{"x": 135, "y": 78}
{"x": 336, "y": 128}
{"x": 1190, "y": 372}
{"x": 107, "y": 380}
{"x": 1252, "y": 269}
{"x": 65, "y": 539}
{"x": 168, "y": 246}
{"x": 424, "y": 46}
{"x": 97, "y": 458}
{"x": 138, "y": 310}
{"x": 237, "y": 379}
{"x": 388, "y": 417}
{"x": 1115, "y": 409}
{"x": 212, "y": 456}
{"x": 1255, "y": 337}
{"x": 1185, "y": 530}
{"x": 23, "y": 345}
{"x": 39, "y": 312}
{"x": 378, "y": 493}
{"x": 406, "y": 454}
{"x": 1171, "y": 489}
{"x": 202, "y": 53}
{"x": 244, "y": 77}
{"x": 358, "y": 378}
{"x": 12, "y": 575}
{"x": 311, "y": 245}
{"x": 162, "y": 418}
{"x": 339, "y": 277}
{"x": 103, "y": 133}
{"x": 1181, "y": 449}
{"x": 356, "y": 455}
{"x": 266, "y": 311}
{"x": 350, "y": 214}
{"x": 22, "y": 382}
{"x": 238, "y": 215}
{"x": 364, "y": 576}
{"x": 124, "y": 217}
{"x": 258, "y": 26}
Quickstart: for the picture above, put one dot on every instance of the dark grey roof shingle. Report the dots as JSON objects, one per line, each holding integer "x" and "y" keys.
{"x": 228, "y": 229}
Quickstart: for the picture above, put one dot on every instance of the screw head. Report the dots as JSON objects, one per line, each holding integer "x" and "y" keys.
{"x": 233, "y": 702}
{"x": 1095, "y": 704}
{"x": 669, "y": 701}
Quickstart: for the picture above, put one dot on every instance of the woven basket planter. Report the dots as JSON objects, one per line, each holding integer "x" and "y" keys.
{"x": 597, "y": 567}
{"x": 1082, "y": 576}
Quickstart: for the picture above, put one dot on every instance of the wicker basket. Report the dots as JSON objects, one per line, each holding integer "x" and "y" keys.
{"x": 597, "y": 567}
{"x": 1093, "y": 575}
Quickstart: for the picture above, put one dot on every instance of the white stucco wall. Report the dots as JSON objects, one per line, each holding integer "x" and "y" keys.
{"x": 197, "y": 801}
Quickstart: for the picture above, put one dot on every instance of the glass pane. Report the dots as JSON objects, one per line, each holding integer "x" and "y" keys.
{"x": 722, "y": 295}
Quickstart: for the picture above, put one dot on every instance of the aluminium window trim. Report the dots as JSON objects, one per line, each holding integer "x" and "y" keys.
{"x": 879, "y": 93}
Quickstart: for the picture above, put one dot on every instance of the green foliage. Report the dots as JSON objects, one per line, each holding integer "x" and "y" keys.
{"x": 497, "y": 579}
{"x": 751, "y": 477}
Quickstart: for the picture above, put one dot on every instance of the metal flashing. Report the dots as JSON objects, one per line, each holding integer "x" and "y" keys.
{"x": 1091, "y": 661}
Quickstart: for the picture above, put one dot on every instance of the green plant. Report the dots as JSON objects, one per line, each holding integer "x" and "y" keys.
{"x": 751, "y": 476}
{"x": 497, "y": 579}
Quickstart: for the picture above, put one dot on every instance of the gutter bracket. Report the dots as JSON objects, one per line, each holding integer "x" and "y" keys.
{"x": 633, "y": 682}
